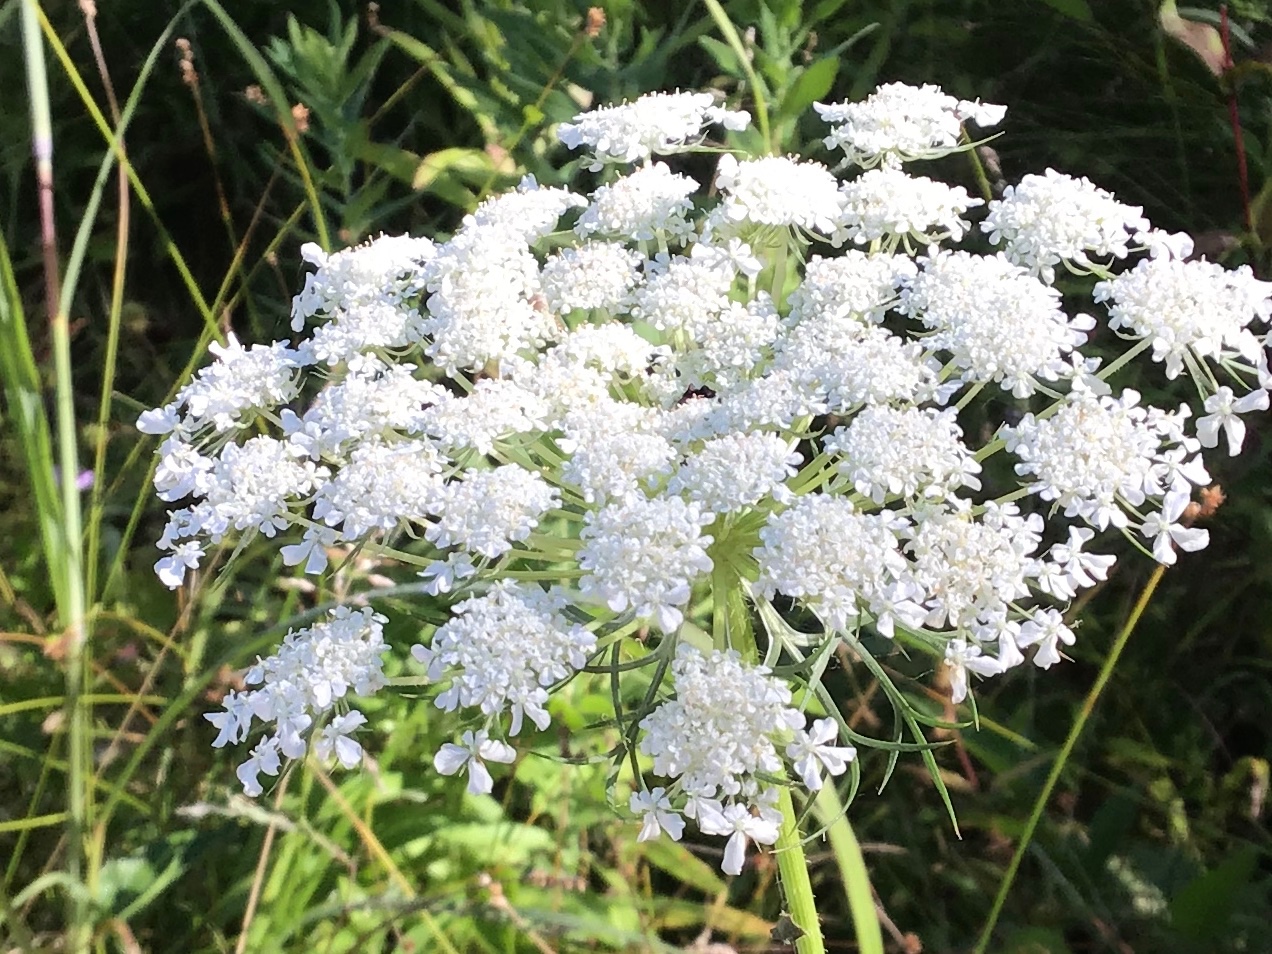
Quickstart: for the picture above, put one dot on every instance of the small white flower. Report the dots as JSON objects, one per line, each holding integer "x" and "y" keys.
{"x": 658, "y": 816}
{"x": 1046, "y": 628}
{"x": 234, "y": 722}
{"x": 961, "y": 658}
{"x": 264, "y": 758}
{"x": 470, "y": 755}
{"x": 1222, "y": 410}
{"x": 171, "y": 570}
{"x": 897, "y": 123}
{"x": 1181, "y": 306}
{"x": 778, "y": 190}
{"x": 815, "y": 749}
{"x": 334, "y": 739}
{"x": 1069, "y": 568}
{"x": 644, "y": 556}
{"x": 1167, "y": 532}
{"x": 654, "y": 124}
{"x": 1054, "y": 218}
{"x": 442, "y": 576}
{"x": 736, "y": 821}
{"x": 161, "y": 420}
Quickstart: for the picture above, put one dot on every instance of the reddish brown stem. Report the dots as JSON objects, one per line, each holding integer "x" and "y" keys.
{"x": 1234, "y": 116}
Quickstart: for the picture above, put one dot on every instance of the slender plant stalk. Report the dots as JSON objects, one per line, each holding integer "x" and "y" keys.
{"x": 730, "y": 33}
{"x": 1088, "y": 706}
{"x": 72, "y": 613}
{"x": 1234, "y": 118}
{"x": 97, "y": 501}
{"x": 852, "y": 870}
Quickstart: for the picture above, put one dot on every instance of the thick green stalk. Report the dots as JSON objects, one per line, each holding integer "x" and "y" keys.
{"x": 72, "y": 609}
{"x": 797, "y": 889}
{"x": 1088, "y": 706}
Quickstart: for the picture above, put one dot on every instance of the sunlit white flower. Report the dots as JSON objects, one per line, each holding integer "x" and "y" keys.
{"x": 962, "y": 657}
{"x": 654, "y": 124}
{"x": 884, "y": 203}
{"x": 1222, "y": 409}
{"x": 1195, "y": 307}
{"x": 644, "y": 556}
{"x": 1046, "y": 629}
{"x": 778, "y": 190}
{"x": 737, "y": 821}
{"x": 264, "y": 758}
{"x": 897, "y": 123}
{"x": 334, "y": 739}
{"x": 1166, "y": 532}
{"x": 470, "y": 755}
{"x": 1052, "y": 218}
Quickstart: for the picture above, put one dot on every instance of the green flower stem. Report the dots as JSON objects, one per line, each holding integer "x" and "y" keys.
{"x": 797, "y": 889}
{"x": 1088, "y": 706}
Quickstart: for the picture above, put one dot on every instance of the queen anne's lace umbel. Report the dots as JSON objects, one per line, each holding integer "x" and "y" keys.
{"x": 616, "y": 432}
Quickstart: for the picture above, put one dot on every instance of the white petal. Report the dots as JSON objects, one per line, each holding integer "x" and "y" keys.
{"x": 1234, "y": 429}
{"x": 650, "y": 829}
{"x": 734, "y": 852}
{"x": 479, "y": 780}
{"x": 348, "y": 751}
{"x": 1191, "y": 539}
{"x": 450, "y": 758}
{"x": 492, "y": 750}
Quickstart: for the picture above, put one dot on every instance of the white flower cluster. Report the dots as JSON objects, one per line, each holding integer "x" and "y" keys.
{"x": 309, "y": 675}
{"x": 897, "y": 123}
{"x": 1052, "y": 218}
{"x": 721, "y": 740}
{"x": 656, "y": 124}
{"x": 608, "y": 426}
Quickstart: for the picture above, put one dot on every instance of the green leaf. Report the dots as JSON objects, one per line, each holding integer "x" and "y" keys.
{"x": 1201, "y": 909}
{"x": 810, "y": 86}
{"x": 723, "y": 55}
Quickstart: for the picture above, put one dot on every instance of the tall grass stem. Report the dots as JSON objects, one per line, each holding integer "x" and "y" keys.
{"x": 1066, "y": 750}
{"x": 72, "y": 615}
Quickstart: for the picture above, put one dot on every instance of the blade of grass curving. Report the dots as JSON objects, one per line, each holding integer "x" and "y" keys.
{"x": 23, "y": 391}
{"x": 758, "y": 90}
{"x": 852, "y": 870}
{"x": 278, "y": 99}
{"x": 1062, "y": 758}
{"x": 18, "y": 932}
{"x": 34, "y": 800}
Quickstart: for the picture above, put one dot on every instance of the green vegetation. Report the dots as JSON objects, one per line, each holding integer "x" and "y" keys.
{"x": 198, "y": 145}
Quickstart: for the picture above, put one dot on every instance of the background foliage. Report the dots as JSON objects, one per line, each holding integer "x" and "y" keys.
{"x": 254, "y": 130}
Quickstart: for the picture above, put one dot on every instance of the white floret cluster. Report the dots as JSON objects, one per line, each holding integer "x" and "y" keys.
{"x": 668, "y": 429}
